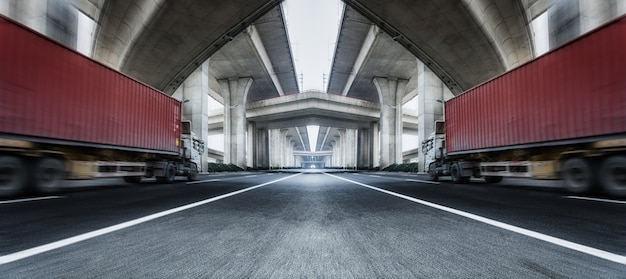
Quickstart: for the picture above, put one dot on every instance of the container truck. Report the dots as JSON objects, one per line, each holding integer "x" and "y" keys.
{"x": 66, "y": 116}
{"x": 559, "y": 116}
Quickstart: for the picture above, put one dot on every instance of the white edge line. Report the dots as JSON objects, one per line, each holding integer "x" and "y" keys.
{"x": 423, "y": 181}
{"x": 595, "y": 199}
{"x": 30, "y": 199}
{"x": 75, "y": 239}
{"x": 564, "y": 243}
{"x": 203, "y": 181}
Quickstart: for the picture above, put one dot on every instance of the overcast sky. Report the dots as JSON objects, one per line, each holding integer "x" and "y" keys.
{"x": 313, "y": 27}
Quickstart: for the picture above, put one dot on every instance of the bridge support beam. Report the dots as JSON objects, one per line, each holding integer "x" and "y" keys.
{"x": 391, "y": 92}
{"x": 234, "y": 92}
{"x": 431, "y": 95}
{"x": 365, "y": 147}
{"x": 195, "y": 89}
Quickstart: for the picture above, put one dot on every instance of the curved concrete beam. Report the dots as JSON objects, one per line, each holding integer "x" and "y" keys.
{"x": 504, "y": 22}
{"x": 120, "y": 27}
{"x": 445, "y": 35}
{"x": 161, "y": 42}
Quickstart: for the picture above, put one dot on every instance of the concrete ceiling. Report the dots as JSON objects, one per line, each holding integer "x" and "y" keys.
{"x": 363, "y": 52}
{"x": 160, "y": 42}
{"x": 464, "y": 42}
{"x": 262, "y": 52}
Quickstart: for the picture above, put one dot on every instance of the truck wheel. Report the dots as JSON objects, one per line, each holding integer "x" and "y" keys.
{"x": 170, "y": 174}
{"x": 493, "y": 179}
{"x": 578, "y": 175}
{"x": 193, "y": 172}
{"x": 432, "y": 172}
{"x": 12, "y": 176}
{"x": 49, "y": 172}
{"x": 613, "y": 176}
{"x": 132, "y": 179}
{"x": 455, "y": 173}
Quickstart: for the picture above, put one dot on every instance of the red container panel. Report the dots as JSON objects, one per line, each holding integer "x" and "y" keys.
{"x": 51, "y": 92}
{"x": 574, "y": 92}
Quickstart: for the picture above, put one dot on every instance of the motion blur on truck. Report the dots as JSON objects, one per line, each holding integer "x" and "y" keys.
{"x": 560, "y": 116}
{"x": 66, "y": 116}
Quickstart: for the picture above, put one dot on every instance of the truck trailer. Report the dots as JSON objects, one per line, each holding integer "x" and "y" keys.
{"x": 66, "y": 116}
{"x": 559, "y": 116}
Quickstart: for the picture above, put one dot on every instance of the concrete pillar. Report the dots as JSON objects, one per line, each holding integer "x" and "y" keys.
{"x": 195, "y": 89}
{"x": 350, "y": 148}
{"x": 57, "y": 19}
{"x": 283, "y": 147}
{"x": 261, "y": 149}
{"x": 391, "y": 92}
{"x": 376, "y": 148}
{"x": 594, "y": 13}
{"x": 234, "y": 92}
{"x": 364, "y": 149}
{"x": 431, "y": 97}
{"x": 251, "y": 145}
{"x": 344, "y": 147}
{"x": 275, "y": 148}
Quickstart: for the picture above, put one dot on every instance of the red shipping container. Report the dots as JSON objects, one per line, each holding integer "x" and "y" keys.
{"x": 574, "y": 93}
{"x": 50, "y": 93}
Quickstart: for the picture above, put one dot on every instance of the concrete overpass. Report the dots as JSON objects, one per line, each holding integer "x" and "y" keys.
{"x": 238, "y": 53}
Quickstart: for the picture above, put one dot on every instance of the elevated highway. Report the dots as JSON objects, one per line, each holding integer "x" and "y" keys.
{"x": 387, "y": 53}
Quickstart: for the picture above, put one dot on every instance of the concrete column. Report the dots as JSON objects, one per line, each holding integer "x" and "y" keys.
{"x": 57, "y": 19}
{"x": 275, "y": 148}
{"x": 261, "y": 149}
{"x": 350, "y": 150}
{"x": 195, "y": 89}
{"x": 234, "y": 92}
{"x": 344, "y": 147}
{"x": 375, "y": 144}
{"x": 391, "y": 92}
{"x": 594, "y": 13}
{"x": 251, "y": 145}
{"x": 364, "y": 149}
{"x": 431, "y": 95}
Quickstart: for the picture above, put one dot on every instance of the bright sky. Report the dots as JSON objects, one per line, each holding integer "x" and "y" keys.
{"x": 312, "y": 26}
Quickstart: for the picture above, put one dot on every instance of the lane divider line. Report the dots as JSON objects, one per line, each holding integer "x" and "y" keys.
{"x": 557, "y": 241}
{"x": 82, "y": 237}
{"x": 596, "y": 199}
{"x": 30, "y": 199}
{"x": 203, "y": 181}
{"x": 422, "y": 181}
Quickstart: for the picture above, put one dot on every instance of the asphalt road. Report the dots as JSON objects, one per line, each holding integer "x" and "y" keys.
{"x": 313, "y": 225}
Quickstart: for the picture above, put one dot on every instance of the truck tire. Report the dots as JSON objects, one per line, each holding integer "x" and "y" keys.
{"x": 170, "y": 174}
{"x": 613, "y": 176}
{"x": 578, "y": 175}
{"x": 193, "y": 172}
{"x": 12, "y": 176}
{"x": 432, "y": 172}
{"x": 49, "y": 173}
{"x": 493, "y": 179}
{"x": 455, "y": 173}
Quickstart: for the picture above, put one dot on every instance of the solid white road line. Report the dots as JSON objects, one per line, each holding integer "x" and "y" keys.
{"x": 30, "y": 199}
{"x": 422, "y": 181}
{"x": 68, "y": 241}
{"x": 595, "y": 199}
{"x": 564, "y": 243}
{"x": 203, "y": 181}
